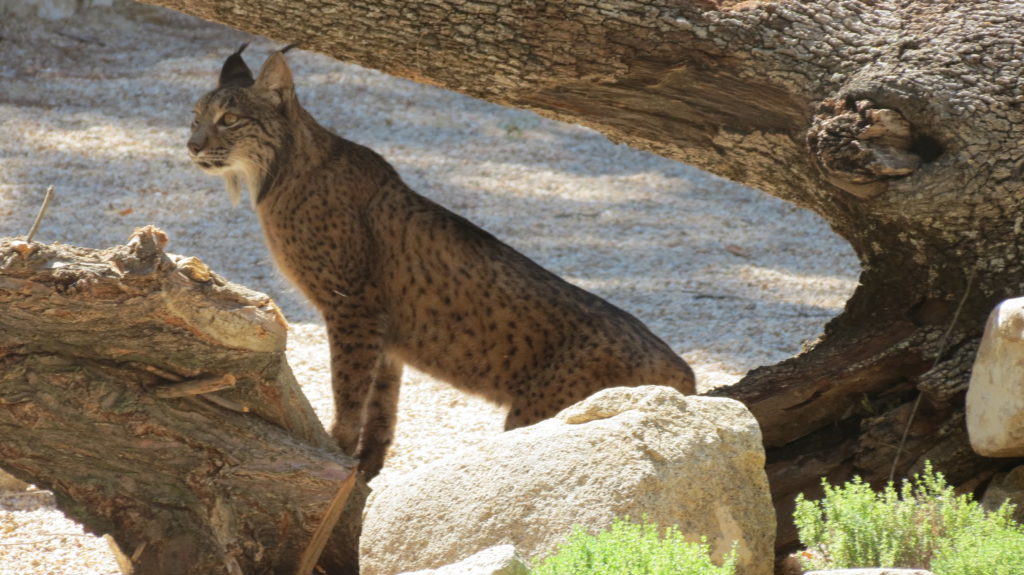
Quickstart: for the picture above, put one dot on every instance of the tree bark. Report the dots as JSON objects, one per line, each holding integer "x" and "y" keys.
{"x": 153, "y": 398}
{"x": 898, "y": 122}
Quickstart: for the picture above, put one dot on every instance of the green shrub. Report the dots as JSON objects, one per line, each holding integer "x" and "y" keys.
{"x": 923, "y": 525}
{"x": 632, "y": 549}
{"x": 982, "y": 552}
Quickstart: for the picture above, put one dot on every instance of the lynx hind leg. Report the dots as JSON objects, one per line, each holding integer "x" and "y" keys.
{"x": 515, "y": 418}
{"x": 379, "y": 424}
{"x": 548, "y": 393}
{"x": 356, "y": 349}
{"x": 684, "y": 379}
{"x": 523, "y": 412}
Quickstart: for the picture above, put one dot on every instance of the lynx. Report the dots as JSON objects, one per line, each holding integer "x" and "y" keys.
{"x": 401, "y": 280}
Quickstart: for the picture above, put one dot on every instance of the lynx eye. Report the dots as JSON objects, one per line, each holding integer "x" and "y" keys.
{"x": 229, "y": 119}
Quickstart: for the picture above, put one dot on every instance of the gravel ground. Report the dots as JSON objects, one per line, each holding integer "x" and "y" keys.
{"x": 99, "y": 107}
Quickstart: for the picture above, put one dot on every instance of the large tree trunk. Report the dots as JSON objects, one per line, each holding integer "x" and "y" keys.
{"x": 898, "y": 122}
{"x": 154, "y": 400}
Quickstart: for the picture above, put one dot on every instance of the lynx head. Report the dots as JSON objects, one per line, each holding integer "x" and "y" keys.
{"x": 240, "y": 126}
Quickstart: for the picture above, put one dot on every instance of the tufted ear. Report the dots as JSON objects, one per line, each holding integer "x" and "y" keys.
{"x": 235, "y": 72}
{"x": 275, "y": 75}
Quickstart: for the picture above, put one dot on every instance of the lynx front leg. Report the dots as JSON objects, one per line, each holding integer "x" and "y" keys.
{"x": 356, "y": 342}
{"x": 379, "y": 423}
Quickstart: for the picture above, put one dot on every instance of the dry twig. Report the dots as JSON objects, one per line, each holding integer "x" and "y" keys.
{"x": 39, "y": 216}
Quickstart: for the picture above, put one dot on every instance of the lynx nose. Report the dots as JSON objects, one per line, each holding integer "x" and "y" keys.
{"x": 195, "y": 145}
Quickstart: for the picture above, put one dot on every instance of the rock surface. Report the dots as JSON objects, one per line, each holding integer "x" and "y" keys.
{"x": 995, "y": 396}
{"x": 497, "y": 560}
{"x": 696, "y": 462}
{"x": 1006, "y": 487}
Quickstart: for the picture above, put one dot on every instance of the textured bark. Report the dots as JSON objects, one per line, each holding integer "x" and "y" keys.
{"x": 898, "y": 122}
{"x": 108, "y": 365}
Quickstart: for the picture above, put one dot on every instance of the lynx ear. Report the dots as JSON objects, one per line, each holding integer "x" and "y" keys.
{"x": 275, "y": 75}
{"x": 235, "y": 72}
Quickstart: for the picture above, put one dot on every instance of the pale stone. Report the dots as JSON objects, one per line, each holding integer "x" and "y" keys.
{"x": 498, "y": 560}
{"x": 995, "y": 397}
{"x": 695, "y": 462}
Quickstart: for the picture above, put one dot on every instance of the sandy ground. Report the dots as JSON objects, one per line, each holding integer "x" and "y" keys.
{"x": 99, "y": 107}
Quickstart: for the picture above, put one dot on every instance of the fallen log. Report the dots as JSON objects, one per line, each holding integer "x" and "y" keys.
{"x": 154, "y": 399}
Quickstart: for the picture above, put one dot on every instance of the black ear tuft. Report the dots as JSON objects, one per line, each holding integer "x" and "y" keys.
{"x": 289, "y": 47}
{"x": 235, "y": 72}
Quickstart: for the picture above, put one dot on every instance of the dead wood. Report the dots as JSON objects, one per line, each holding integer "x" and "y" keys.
{"x": 115, "y": 369}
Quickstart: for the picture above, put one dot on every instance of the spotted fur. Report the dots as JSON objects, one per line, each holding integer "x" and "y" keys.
{"x": 401, "y": 280}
